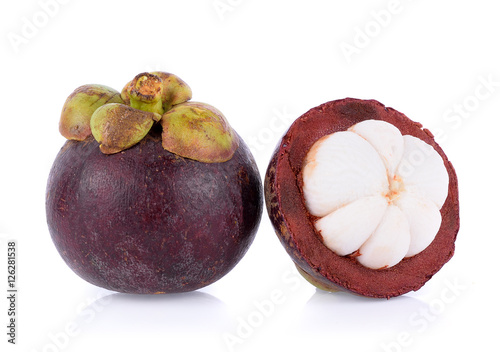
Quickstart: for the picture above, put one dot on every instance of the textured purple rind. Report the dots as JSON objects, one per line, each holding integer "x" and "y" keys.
{"x": 147, "y": 221}
{"x": 294, "y": 226}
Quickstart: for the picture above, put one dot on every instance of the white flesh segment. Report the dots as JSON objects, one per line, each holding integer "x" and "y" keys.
{"x": 389, "y": 244}
{"x": 339, "y": 169}
{"x": 385, "y": 138}
{"x": 424, "y": 219}
{"x": 347, "y": 228}
{"x": 346, "y": 183}
{"x": 422, "y": 170}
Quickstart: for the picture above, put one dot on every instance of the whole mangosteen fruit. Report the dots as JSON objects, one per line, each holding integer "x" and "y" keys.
{"x": 151, "y": 193}
{"x": 363, "y": 199}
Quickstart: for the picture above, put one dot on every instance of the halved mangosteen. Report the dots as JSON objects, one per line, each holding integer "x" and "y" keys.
{"x": 151, "y": 193}
{"x": 363, "y": 199}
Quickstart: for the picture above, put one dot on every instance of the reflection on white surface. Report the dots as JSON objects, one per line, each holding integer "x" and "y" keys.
{"x": 136, "y": 322}
{"x": 121, "y": 313}
{"x": 348, "y": 321}
{"x": 345, "y": 311}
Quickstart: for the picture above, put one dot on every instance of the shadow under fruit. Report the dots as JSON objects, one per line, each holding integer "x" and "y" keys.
{"x": 132, "y": 216}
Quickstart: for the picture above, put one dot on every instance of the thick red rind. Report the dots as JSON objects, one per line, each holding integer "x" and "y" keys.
{"x": 293, "y": 225}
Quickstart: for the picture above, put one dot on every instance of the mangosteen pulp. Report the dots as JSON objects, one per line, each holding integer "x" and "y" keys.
{"x": 363, "y": 199}
{"x": 151, "y": 193}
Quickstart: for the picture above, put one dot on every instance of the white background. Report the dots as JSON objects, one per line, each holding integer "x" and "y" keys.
{"x": 263, "y": 63}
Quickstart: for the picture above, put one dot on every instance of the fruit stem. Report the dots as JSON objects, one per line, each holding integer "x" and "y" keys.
{"x": 145, "y": 93}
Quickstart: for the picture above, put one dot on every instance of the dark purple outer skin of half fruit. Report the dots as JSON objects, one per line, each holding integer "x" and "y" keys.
{"x": 147, "y": 221}
{"x": 294, "y": 225}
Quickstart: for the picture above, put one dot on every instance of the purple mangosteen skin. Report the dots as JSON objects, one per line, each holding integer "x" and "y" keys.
{"x": 148, "y": 221}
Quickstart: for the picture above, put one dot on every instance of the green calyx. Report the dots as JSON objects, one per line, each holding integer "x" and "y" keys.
{"x": 79, "y": 107}
{"x": 118, "y": 127}
{"x": 198, "y": 131}
{"x": 145, "y": 93}
{"x": 119, "y": 121}
{"x": 173, "y": 90}
{"x": 314, "y": 281}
